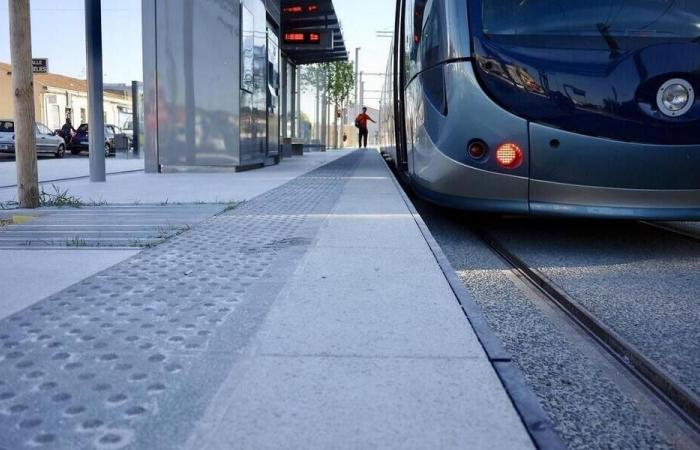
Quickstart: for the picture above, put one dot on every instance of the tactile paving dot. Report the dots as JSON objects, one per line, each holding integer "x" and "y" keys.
{"x": 100, "y": 363}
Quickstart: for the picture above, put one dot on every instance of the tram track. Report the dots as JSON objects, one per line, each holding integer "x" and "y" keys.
{"x": 684, "y": 234}
{"x": 658, "y": 382}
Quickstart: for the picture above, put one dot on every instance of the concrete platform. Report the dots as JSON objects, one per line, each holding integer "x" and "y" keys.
{"x": 315, "y": 315}
{"x": 126, "y": 186}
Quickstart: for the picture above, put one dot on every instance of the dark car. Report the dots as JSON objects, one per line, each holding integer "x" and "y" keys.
{"x": 81, "y": 142}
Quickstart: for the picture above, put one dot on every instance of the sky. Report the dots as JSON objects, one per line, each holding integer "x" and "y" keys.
{"x": 361, "y": 19}
{"x": 58, "y": 33}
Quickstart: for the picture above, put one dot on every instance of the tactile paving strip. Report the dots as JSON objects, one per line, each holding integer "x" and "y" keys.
{"x": 132, "y": 356}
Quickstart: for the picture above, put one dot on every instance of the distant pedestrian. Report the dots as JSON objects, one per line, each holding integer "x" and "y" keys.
{"x": 67, "y": 131}
{"x": 361, "y": 123}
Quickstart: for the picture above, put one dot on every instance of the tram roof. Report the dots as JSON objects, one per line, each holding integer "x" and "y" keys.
{"x": 312, "y": 15}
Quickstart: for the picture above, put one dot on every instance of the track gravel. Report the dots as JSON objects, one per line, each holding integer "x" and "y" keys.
{"x": 641, "y": 281}
{"x": 586, "y": 405}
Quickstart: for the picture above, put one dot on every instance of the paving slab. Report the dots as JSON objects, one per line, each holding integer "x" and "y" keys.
{"x": 332, "y": 402}
{"x": 55, "y": 169}
{"x": 34, "y": 275}
{"x": 228, "y": 336}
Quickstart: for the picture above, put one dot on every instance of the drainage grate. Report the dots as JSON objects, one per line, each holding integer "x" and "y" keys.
{"x": 101, "y": 226}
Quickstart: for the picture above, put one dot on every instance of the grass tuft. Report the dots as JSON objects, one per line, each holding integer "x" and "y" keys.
{"x": 76, "y": 242}
{"x": 59, "y": 198}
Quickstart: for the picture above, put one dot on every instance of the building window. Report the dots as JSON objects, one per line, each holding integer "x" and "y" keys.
{"x": 83, "y": 117}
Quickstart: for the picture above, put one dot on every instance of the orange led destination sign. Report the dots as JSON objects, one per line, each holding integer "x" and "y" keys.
{"x": 302, "y": 37}
{"x": 298, "y": 9}
{"x": 313, "y": 39}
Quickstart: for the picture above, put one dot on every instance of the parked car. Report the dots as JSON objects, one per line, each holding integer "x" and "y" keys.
{"x": 81, "y": 140}
{"x": 46, "y": 140}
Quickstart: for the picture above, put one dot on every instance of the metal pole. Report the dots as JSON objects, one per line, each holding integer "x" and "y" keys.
{"x": 23, "y": 88}
{"x": 297, "y": 104}
{"x": 357, "y": 69}
{"x": 317, "y": 124}
{"x": 362, "y": 91}
{"x": 324, "y": 123}
{"x": 293, "y": 109}
{"x": 93, "y": 41}
{"x": 135, "y": 116}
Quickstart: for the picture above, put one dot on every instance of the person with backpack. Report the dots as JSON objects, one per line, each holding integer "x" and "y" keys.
{"x": 361, "y": 123}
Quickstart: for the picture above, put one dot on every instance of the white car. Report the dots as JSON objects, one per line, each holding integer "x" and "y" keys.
{"x": 46, "y": 140}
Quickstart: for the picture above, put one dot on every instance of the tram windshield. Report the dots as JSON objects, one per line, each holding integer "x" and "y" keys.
{"x": 602, "y": 20}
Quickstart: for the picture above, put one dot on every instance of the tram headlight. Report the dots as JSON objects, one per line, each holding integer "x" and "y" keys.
{"x": 675, "y": 97}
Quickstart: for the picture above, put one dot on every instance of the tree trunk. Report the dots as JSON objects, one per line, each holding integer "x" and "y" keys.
{"x": 23, "y": 88}
{"x": 335, "y": 122}
{"x": 317, "y": 123}
{"x": 324, "y": 123}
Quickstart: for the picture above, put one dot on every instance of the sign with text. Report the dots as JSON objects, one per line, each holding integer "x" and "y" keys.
{"x": 305, "y": 39}
{"x": 40, "y": 65}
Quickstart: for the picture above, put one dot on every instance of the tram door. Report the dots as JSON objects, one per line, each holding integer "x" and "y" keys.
{"x": 273, "y": 101}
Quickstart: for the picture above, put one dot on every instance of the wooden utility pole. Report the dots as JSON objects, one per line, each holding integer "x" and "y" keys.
{"x": 23, "y": 89}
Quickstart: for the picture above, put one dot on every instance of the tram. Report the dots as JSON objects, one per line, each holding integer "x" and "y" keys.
{"x": 541, "y": 107}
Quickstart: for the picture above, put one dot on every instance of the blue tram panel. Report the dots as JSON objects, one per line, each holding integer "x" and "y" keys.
{"x": 584, "y": 109}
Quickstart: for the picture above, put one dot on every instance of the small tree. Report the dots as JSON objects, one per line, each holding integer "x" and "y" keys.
{"x": 340, "y": 83}
{"x": 313, "y": 78}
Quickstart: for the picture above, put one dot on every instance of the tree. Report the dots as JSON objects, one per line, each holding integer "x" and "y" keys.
{"x": 23, "y": 101}
{"x": 313, "y": 77}
{"x": 340, "y": 83}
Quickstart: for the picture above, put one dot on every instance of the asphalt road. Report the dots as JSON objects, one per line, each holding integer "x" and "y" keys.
{"x": 641, "y": 281}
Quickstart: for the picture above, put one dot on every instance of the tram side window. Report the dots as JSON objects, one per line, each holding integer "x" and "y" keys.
{"x": 431, "y": 39}
{"x": 415, "y": 10}
{"x": 407, "y": 38}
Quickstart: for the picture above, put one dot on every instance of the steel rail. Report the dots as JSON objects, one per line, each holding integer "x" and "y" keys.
{"x": 678, "y": 232}
{"x": 677, "y": 397}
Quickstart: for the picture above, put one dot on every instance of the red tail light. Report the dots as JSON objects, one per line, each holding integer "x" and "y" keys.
{"x": 509, "y": 155}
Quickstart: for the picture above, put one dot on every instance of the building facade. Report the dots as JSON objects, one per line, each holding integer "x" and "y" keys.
{"x": 57, "y": 97}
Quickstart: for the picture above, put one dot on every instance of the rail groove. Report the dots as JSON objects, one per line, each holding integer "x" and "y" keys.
{"x": 683, "y": 234}
{"x": 679, "y": 399}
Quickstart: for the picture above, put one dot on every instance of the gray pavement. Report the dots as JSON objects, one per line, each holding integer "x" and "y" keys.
{"x": 314, "y": 315}
{"x": 178, "y": 187}
{"x": 70, "y": 167}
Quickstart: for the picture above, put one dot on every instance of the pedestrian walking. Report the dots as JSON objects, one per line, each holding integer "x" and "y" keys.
{"x": 67, "y": 131}
{"x": 361, "y": 123}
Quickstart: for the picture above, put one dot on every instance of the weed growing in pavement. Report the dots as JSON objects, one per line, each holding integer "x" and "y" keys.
{"x": 59, "y": 198}
{"x": 96, "y": 203}
{"x": 137, "y": 243}
{"x": 62, "y": 199}
{"x": 76, "y": 242}
{"x": 168, "y": 231}
{"x": 230, "y": 206}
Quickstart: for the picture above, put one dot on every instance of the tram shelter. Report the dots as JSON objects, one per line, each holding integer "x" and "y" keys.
{"x": 221, "y": 85}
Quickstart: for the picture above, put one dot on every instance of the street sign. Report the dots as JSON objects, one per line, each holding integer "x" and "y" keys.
{"x": 40, "y": 65}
